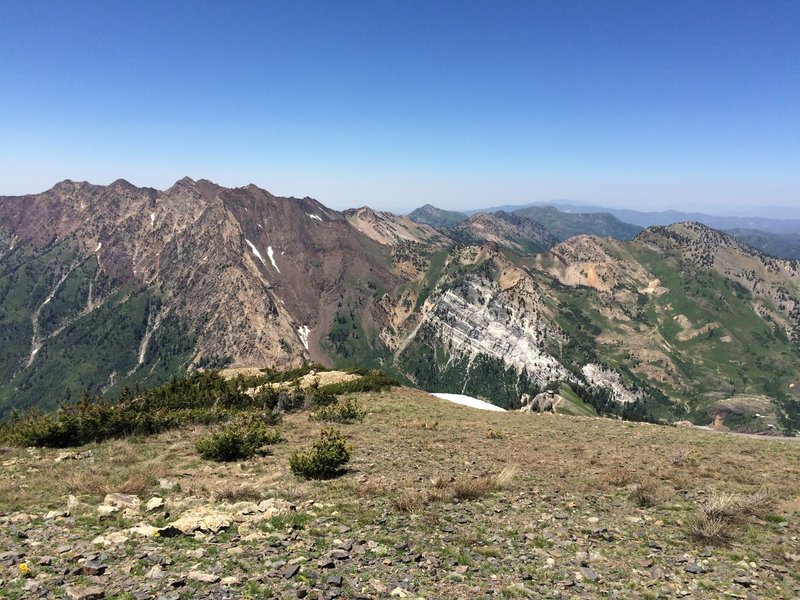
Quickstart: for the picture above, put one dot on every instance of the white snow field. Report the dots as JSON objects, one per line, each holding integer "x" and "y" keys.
{"x": 468, "y": 401}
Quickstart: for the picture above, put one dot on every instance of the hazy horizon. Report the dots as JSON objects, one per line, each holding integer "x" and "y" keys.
{"x": 646, "y": 106}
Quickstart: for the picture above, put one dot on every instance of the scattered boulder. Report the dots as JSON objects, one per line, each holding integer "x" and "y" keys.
{"x": 143, "y": 529}
{"x": 106, "y": 511}
{"x": 154, "y": 504}
{"x": 84, "y": 593}
{"x": 202, "y": 577}
{"x": 123, "y": 501}
{"x": 201, "y": 519}
{"x": 114, "y": 538}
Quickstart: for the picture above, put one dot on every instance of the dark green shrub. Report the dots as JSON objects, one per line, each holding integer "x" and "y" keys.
{"x": 338, "y": 412}
{"x": 238, "y": 440}
{"x": 318, "y": 397}
{"x": 325, "y": 459}
{"x": 372, "y": 381}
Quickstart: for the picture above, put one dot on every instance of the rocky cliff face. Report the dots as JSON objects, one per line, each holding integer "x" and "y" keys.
{"x": 497, "y": 313}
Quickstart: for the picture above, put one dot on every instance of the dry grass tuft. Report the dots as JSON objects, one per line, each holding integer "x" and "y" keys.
{"x": 370, "y": 488}
{"x": 734, "y": 507}
{"x": 708, "y": 529}
{"x": 471, "y": 488}
{"x": 410, "y": 501}
{"x": 620, "y": 477}
{"x": 643, "y": 494}
{"x": 722, "y": 511}
{"x": 244, "y": 493}
{"x": 506, "y": 477}
{"x": 137, "y": 483}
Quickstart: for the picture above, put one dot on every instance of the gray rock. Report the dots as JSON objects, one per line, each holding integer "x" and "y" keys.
{"x": 84, "y": 593}
{"x": 290, "y": 571}
{"x": 743, "y": 581}
{"x": 92, "y": 567}
{"x": 694, "y": 569}
{"x": 589, "y": 574}
{"x": 10, "y": 558}
{"x": 335, "y": 580}
{"x": 202, "y": 577}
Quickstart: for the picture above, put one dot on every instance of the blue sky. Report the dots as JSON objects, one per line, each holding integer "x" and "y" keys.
{"x": 641, "y": 104}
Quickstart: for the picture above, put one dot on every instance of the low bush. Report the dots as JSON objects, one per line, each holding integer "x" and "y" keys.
{"x": 238, "y": 440}
{"x": 325, "y": 459}
{"x": 371, "y": 381}
{"x": 338, "y": 412}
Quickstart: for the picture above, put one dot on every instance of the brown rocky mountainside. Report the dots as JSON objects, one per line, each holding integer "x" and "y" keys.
{"x": 249, "y": 268}
{"x": 254, "y": 279}
{"x": 509, "y": 230}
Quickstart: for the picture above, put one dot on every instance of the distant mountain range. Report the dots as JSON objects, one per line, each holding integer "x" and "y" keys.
{"x": 778, "y": 237}
{"x": 103, "y": 287}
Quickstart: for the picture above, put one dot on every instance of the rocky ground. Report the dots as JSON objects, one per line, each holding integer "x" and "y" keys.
{"x": 440, "y": 501}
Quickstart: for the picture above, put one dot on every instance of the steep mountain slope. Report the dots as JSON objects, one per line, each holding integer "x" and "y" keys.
{"x": 247, "y": 278}
{"x": 515, "y": 232}
{"x": 564, "y": 225}
{"x": 436, "y": 217}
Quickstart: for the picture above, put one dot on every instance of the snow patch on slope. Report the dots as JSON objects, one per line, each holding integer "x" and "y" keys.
{"x": 313, "y": 216}
{"x": 256, "y": 252}
{"x": 303, "y": 332}
{"x": 271, "y": 259}
{"x": 468, "y": 401}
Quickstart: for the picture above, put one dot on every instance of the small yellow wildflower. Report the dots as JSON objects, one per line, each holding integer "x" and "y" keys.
{"x": 24, "y": 568}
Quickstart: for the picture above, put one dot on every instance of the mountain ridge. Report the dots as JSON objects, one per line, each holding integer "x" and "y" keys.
{"x": 251, "y": 279}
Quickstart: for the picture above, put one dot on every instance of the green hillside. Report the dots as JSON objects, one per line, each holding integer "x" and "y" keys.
{"x": 565, "y": 225}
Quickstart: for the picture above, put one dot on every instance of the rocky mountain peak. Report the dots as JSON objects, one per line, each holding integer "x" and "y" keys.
{"x": 389, "y": 229}
{"x": 517, "y": 232}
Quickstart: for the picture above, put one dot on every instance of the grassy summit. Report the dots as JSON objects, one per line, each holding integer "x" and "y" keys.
{"x": 438, "y": 501}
